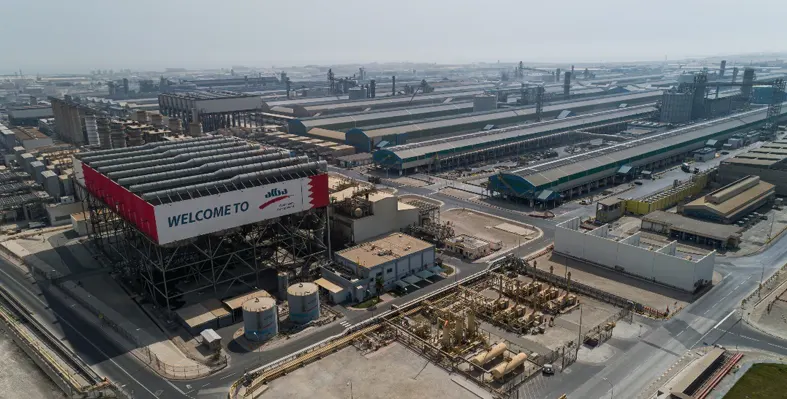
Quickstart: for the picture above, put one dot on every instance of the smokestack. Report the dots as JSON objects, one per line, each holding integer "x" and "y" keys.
{"x": 722, "y": 68}
{"x": 393, "y": 85}
{"x": 567, "y": 85}
{"x": 372, "y": 87}
{"x": 557, "y": 75}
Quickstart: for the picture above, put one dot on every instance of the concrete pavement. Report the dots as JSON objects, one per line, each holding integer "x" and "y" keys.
{"x": 631, "y": 370}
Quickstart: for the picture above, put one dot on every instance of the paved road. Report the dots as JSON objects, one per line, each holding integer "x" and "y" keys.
{"x": 637, "y": 364}
{"x": 704, "y": 321}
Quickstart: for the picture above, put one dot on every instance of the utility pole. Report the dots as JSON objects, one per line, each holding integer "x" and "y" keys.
{"x": 579, "y": 339}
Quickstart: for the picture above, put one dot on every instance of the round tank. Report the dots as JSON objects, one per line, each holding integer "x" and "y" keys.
{"x": 506, "y": 367}
{"x": 485, "y": 357}
{"x": 260, "y": 320}
{"x": 304, "y": 301}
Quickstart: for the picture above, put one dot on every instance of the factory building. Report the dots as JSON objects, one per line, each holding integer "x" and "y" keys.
{"x": 629, "y": 255}
{"x": 369, "y": 139}
{"x": 31, "y": 138}
{"x": 733, "y": 201}
{"x": 70, "y": 119}
{"x": 212, "y": 109}
{"x": 360, "y": 216}
{"x": 684, "y": 228}
{"x": 302, "y": 126}
{"x": 401, "y": 261}
{"x": 160, "y": 205}
{"x": 463, "y": 149}
{"x": 704, "y": 154}
{"x": 768, "y": 162}
{"x": 676, "y": 107}
{"x": 576, "y": 175}
{"x": 29, "y": 115}
{"x": 381, "y": 103}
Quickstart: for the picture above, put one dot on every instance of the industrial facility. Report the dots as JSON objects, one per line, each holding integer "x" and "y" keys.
{"x": 628, "y": 255}
{"x": 576, "y": 175}
{"x": 155, "y": 208}
{"x": 465, "y": 149}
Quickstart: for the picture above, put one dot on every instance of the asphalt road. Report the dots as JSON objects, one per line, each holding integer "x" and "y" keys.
{"x": 710, "y": 319}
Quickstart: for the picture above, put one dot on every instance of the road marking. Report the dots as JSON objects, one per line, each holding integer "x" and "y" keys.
{"x": 684, "y": 330}
{"x": 61, "y": 319}
{"x": 227, "y": 376}
{"x": 723, "y": 320}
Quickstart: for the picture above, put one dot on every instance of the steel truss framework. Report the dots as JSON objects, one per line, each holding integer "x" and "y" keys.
{"x": 293, "y": 244}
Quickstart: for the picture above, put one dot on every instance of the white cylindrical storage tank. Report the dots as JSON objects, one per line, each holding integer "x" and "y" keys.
{"x": 260, "y": 319}
{"x": 91, "y": 127}
{"x": 304, "y": 301}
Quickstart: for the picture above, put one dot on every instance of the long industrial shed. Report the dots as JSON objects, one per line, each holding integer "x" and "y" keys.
{"x": 301, "y": 126}
{"x": 367, "y": 139}
{"x": 381, "y": 103}
{"x": 427, "y": 153}
{"x": 572, "y": 176}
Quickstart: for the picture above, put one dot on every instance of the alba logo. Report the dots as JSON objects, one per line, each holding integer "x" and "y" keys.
{"x": 275, "y": 195}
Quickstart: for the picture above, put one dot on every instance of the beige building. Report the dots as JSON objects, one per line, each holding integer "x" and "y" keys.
{"x": 471, "y": 247}
{"x": 360, "y": 217}
{"x": 398, "y": 259}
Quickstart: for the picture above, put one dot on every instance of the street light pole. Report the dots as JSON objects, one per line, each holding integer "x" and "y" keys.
{"x": 611, "y": 388}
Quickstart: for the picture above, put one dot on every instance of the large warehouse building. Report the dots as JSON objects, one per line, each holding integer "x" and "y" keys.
{"x": 458, "y": 150}
{"x": 214, "y": 109}
{"x": 576, "y": 175}
{"x": 198, "y": 214}
{"x": 768, "y": 161}
{"x": 368, "y": 139}
{"x": 733, "y": 201}
{"x": 661, "y": 265}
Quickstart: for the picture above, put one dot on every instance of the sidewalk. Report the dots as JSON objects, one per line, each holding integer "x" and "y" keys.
{"x": 99, "y": 295}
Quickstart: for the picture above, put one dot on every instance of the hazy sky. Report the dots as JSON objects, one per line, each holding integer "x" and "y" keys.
{"x": 79, "y": 35}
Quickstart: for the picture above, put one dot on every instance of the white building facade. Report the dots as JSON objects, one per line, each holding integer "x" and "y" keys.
{"x": 662, "y": 265}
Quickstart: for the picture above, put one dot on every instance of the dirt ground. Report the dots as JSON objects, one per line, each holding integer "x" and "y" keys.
{"x": 484, "y": 226}
{"x": 391, "y": 372}
{"x": 648, "y": 294}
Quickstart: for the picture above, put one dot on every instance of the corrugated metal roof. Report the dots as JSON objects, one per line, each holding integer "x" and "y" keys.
{"x": 487, "y": 138}
{"x": 493, "y": 116}
{"x": 736, "y": 203}
{"x": 682, "y": 223}
{"x": 552, "y": 172}
{"x": 367, "y": 118}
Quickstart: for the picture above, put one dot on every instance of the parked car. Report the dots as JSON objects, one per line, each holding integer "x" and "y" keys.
{"x": 548, "y": 369}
